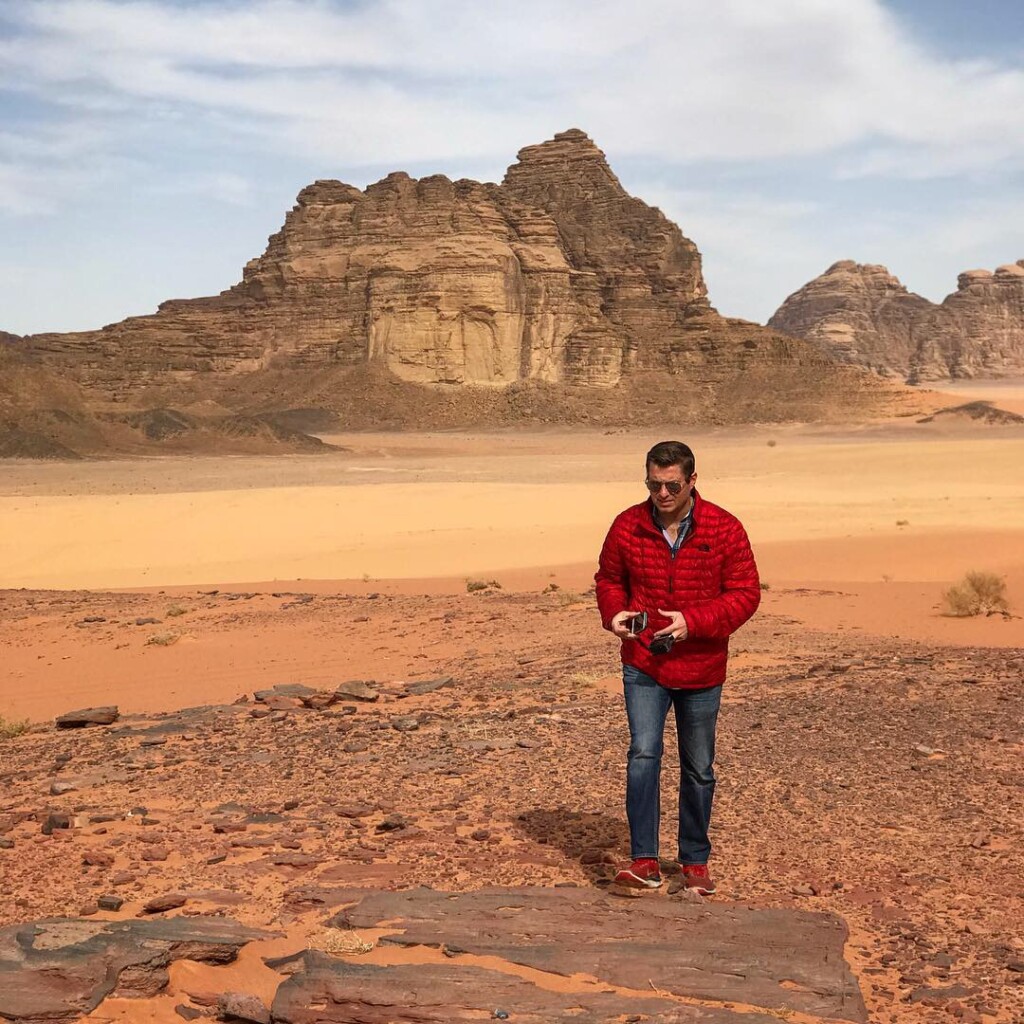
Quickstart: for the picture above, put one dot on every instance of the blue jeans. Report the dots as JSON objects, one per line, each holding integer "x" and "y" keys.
{"x": 647, "y": 706}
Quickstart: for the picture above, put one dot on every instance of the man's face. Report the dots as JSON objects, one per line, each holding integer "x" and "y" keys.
{"x": 668, "y": 504}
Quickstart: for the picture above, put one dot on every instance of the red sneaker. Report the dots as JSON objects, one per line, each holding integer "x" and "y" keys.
{"x": 696, "y": 877}
{"x": 643, "y": 873}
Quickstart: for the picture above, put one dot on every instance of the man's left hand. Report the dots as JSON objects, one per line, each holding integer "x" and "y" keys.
{"x": 677, "y": 628}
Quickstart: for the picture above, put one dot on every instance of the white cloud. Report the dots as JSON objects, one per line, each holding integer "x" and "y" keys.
{"x": 159, "y": 98}
{"x": 233, "y": 189}
{"x": 401, "y": 80}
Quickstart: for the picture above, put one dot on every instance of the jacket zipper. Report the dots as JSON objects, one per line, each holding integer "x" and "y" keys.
{"x": 672, "y": 559}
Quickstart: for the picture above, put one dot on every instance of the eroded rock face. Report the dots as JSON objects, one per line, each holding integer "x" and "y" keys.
{"x": 331, "y": 991}
{"x": 555, "y": 276}
{"x": 863, "y": 315}
{"x": 60, "y": 969}
{"x": 696, "y": 951}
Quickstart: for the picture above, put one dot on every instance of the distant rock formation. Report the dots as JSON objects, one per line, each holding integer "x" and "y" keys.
{"x": 557, "y": 277}
{"x": 43, "y": 416}
{"x": 863, "y": 315}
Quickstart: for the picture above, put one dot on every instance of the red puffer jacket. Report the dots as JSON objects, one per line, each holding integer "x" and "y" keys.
{"x": 712, "y": 580}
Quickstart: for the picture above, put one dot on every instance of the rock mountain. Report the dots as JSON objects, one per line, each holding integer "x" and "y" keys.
{"x": 861, "y": 314}
{"x": 557, "y": 294}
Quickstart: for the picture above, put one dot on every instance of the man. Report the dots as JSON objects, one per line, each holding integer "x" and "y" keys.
{"x": 687, "y": 564}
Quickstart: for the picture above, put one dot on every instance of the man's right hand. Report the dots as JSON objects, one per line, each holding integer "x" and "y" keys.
{"x": 619, "y": 627}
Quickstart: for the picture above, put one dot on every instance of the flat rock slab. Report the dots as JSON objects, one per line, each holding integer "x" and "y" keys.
{"x": 330, "y": 991}
{"x": 62, "y": 968}
{"x": 772, "y": 958}
{"x": 87, "y": 716}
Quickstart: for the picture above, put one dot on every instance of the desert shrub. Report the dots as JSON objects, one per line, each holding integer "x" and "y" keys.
{"x": 978, "y": 593}
{"x": 765, "y": 586}
{"x": 9, "y": 729}
{"x": 474, "y": 585}
{"x": 163, "y": 639}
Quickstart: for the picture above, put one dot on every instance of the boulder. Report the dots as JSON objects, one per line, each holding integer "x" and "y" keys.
{"x": 88, "y": 716}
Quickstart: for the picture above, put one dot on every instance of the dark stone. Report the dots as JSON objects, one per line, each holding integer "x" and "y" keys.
{"x": 110, "y": 902}
{"x": 393, "y": 823}
{"x": 169, "y": 901}
{"x": 240, "y": 1006}
{"x": 356, "y": 689}
{"x": 298, "y": 690}
{"x": 88, "y": 716}
{"x": 55, "y": 820}
{"x": 424, "y": 686}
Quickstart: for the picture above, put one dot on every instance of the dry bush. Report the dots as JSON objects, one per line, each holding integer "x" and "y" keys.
{"x": 338, "y": 942}
{"x": 163, "y": 639}
{"x": 978, "y": 593}
{"x": 474, "y": 585}
{"x": 8, "y": 729}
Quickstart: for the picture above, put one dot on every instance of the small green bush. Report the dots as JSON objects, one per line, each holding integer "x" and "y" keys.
{"x": 978, "y": 593}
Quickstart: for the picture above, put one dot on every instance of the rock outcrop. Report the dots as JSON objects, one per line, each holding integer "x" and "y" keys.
{"x": 62, "y": 968}
{"x": 41, "y": 415}
{"x": 863, "y": 315}
{"x": 44, "y": 416}
{"x": 555, "y": 277}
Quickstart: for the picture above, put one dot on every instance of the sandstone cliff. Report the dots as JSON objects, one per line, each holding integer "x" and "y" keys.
{"x": 863, "y": 315}
{"x": 555, "y": 279}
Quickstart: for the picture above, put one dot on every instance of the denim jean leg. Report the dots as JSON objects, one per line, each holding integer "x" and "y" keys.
{"x": 647, "y": 706}
{"x": 696, "y": 719}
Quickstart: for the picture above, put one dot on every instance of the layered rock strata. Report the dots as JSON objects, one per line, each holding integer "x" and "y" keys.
{"x": 862, "y": 314}
{"x": 555, "y": 277}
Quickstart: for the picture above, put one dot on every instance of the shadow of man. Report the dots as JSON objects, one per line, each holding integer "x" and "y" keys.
{"x": 591, "y": 839}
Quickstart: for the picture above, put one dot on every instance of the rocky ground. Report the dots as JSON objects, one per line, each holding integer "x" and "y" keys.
{"x": 874, "y": 780}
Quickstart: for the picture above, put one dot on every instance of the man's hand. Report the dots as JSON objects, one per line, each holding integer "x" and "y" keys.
{"x": 677, "y": 628}
{"x": 619, "y": 627}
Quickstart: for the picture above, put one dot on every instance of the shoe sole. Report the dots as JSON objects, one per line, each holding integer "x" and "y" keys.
{"x": 635, "y": 882}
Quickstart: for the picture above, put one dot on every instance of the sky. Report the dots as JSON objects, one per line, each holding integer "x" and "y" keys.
{"x": 148, "y": 148}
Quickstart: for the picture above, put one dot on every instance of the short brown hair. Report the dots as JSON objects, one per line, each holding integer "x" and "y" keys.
{"x": 671, "y": 453}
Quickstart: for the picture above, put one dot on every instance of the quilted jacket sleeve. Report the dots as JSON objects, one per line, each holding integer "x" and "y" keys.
{"x": 720, "y": 617}
{"x": 611, "y": 579}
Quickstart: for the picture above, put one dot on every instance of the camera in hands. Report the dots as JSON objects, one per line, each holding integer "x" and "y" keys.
{"x": 659, "y": 644}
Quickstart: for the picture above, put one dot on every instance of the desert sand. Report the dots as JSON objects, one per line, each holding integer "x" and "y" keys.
{"x": 870, "y": 747}
{"x": 860, "y": 529}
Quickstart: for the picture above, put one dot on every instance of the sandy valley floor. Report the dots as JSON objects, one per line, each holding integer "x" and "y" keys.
{"x": 871, "y": 749}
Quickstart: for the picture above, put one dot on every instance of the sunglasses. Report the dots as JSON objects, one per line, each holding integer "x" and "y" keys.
{"x": 655, "y": 486}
